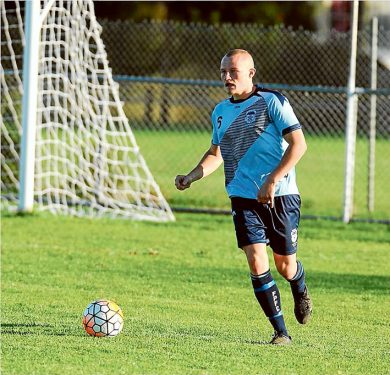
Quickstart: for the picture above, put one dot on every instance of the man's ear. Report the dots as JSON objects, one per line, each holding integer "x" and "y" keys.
{"x": 252, "y": 72}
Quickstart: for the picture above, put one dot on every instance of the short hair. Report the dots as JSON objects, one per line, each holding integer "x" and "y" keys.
{"x": 237, "y": 51}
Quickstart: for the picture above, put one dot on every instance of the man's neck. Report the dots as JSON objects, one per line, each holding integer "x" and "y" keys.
{"x": 245, "y": 94}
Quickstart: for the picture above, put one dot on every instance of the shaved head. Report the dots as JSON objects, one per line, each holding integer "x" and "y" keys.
{"x": 237, "y": 72}
{"x": 243, "y": 54}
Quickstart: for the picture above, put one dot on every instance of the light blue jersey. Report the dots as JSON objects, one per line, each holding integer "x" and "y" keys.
{"x": 250, "y": 134}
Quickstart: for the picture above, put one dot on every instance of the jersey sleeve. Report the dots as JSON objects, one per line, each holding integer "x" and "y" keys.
{"x": 282, "y": 114}
{"x": 215, "y": 138}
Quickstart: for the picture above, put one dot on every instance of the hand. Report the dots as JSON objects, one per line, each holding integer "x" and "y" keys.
{"x": 182, "y": 182}
{"x": 266, "y": 193}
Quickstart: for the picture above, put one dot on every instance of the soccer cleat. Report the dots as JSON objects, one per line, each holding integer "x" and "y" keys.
{"x": 279, "y": 338}
{"x": 303, "y": 307}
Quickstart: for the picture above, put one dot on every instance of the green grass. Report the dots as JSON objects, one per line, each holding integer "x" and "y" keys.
{"x": 320, "y": 173}
{"x": 187, "y": 298}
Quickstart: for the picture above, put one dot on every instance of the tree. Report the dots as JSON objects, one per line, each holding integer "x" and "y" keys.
{"x": 267, "y": 13}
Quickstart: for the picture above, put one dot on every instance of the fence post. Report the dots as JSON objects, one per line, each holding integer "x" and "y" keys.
{"x": 29, "y": 105}
{"x": 372, "y": 134}
{"x": 351, "y": 120}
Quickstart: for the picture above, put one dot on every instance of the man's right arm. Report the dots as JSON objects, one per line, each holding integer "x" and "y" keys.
{"x": 210, "y": 162}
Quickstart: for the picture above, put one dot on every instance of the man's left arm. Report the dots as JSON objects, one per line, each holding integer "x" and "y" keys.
{"x": 295, "y": 150}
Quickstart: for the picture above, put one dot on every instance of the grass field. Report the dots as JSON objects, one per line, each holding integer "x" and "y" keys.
{"x": 187, "y": 299}
{"x": 320, "y": 173}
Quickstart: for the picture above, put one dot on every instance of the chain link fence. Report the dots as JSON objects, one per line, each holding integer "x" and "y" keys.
{"x": 282, "y": 55}
{"x": 169, "y": 71}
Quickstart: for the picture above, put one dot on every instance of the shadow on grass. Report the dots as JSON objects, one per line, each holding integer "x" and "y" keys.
{"x": 349, "y": 282}
{"x": 24, "y": 329}
{"x": 336, "y": 282}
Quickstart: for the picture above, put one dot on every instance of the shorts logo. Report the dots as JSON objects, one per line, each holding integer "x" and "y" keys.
{"x": 294, "y": 235}
{"x": 250, "y": 117}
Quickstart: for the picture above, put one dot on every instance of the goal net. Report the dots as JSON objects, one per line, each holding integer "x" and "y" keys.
{"x": 87, "y": 161}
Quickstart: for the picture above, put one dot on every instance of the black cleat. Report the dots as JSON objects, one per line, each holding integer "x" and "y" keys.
{"x": 303, "y": 307}
{"x": 279, "y": 338}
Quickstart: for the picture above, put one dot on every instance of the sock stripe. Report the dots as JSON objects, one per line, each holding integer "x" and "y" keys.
{"x": 268, "y": 296}
{"x": 265, "y": 287}
{"x": 297, "y": 283}
{"x": 275, "y": 316}
{"x": 256, "y": 277}
{"x": 299, "y": 271}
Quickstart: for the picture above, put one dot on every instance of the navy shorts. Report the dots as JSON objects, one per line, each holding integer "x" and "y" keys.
{"x": 259, "y": 223}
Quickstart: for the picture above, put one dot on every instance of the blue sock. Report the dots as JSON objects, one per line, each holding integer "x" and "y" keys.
{"x": 297, "y": 283}
{"x": 267, "y": 293}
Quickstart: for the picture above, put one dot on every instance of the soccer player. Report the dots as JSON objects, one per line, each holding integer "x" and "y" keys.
{"x": 258, "y": 137}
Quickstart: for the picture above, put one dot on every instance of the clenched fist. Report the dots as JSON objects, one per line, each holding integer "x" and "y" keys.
{"x": 182, "y": 182}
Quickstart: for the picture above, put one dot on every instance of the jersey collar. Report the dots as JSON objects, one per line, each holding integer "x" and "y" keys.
{"x": 232, "y": 100}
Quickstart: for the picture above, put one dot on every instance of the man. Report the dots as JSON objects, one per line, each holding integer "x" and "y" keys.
{"x": 258, "y": 137}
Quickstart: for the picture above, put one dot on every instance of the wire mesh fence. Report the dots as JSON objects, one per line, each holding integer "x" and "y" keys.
{"x": 282, "y": 55}
{"x": 172, "y": 115}
{"x": 168, "y": 74}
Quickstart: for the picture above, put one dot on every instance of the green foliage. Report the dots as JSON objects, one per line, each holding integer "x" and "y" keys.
{"x": 187, "y": 298}
{"x": 213, "y": 12}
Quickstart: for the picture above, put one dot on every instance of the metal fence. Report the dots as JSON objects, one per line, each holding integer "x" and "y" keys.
{"x": 168, "y": 74}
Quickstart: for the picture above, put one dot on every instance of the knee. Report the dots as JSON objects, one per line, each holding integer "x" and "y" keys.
{"x": 257, "y": 264}
{"x": 257, "y": 258}
{"x": 287, "y": 269}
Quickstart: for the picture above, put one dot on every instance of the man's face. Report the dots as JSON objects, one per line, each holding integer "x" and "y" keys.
{"x": 236, "y": 74}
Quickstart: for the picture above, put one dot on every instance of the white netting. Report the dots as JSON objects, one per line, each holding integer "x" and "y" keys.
{"x": 12, "y": 39}
{"x": 87, "y": 159}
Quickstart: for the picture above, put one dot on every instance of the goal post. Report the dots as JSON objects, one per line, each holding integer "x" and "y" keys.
{"x": 29, "y": 106}
{"x": 78, "y": 154}
{"x": 351, "y": 122}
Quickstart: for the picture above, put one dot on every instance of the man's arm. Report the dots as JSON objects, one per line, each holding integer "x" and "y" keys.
{"x": 295, "y": 150}
{"x": 210, "y": 162}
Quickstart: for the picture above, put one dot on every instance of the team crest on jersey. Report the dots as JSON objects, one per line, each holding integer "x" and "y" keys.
{"x": 294, "y": 235}
{"x": 250, "y": 117}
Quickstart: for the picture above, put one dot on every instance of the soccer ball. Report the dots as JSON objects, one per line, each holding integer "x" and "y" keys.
{"x": 103, "y": 318}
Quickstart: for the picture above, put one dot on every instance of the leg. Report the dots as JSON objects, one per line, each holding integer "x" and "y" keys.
{"x": 266, "y": 290}
{"x": 257, "y": 258}
{"x": 284, "y": 243}
{"x": 292, "y": 270}
{"x": 251, "y": 238}
{"x": 286, "y": 265}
